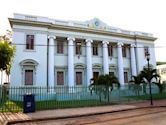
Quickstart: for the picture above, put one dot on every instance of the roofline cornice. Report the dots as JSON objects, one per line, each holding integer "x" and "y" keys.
{"x": 77, "y": 29}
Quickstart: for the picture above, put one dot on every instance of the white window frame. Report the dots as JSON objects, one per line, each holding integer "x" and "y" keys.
{"x": 97, "y": 51}
{"x": 79, "y": 67}
{"x": 34, "y": 75}
{"x": 62, "y": 42}
{"x": 79, "y": 70}
{"x": 78, "y": 44}
{"x": 28, "y": 65}
{"x": 56, "y": 78}
{"x": 128, "y": 73}
{"x": 25, "y": 39}
{"x": 60, "y": 69}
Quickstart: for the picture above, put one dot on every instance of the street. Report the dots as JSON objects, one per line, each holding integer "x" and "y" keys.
{"x": 146, "y": 116}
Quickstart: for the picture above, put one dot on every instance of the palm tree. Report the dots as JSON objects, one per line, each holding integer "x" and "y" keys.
{"x": 104, "y": 84}
{"x": 150, "y": 76}
{"x": 137, "y": 80}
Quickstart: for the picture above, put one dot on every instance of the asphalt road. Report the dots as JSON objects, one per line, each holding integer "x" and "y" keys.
{"x": 147, "y": 116}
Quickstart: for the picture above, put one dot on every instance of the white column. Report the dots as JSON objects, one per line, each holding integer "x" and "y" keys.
{"x": 105, "y": 57}
{"x": 120, "y": 64}
{"x": 89, "y": 60}
{"x": 70, "y": 61}
{"x": 51, "y": 63}
{"x": 133, "y": 61}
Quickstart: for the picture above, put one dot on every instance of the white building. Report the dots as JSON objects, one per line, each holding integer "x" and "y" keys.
{"x": 69, "y": 53}
{"x": 161, "y": 70}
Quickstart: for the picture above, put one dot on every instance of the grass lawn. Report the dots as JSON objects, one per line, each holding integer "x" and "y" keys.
{"x": 157, "y": 96}
{"x": 16, "y": 106}
{"x": 9, "y": 106}
{"x": 67, "y": 104}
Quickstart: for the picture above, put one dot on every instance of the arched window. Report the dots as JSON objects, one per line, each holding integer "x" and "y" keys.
{"x": 28, "y": 67}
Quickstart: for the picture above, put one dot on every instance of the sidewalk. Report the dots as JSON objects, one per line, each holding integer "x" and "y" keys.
{"x": 73, "y": 112}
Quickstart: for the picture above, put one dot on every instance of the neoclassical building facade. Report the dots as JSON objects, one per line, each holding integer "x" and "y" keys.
{"x": 55, "y": 53}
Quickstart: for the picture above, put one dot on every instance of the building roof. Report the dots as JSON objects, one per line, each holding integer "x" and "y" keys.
{"x": 93, "y": 25}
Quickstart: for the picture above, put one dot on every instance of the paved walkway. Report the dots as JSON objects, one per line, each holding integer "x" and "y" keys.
{"x": 73, "y": 112}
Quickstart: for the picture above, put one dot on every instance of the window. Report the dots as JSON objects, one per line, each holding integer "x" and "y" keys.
{"x": 126, "y": 77}
{"x": 146, "y": 50}
{"x": 30, "y": 42}
{"x": 78, "y": 48}
{"x": 95, "y": 49}
{"x": 163, "y": 71}
{"x": 95, "y": 75}
{"x": 110, "y": 50}
{"x": 78, "y": 78}
{"x": 60, "y": 47}
{"x": 111, "y": 73}
{"x": 29, "y": 67}
{"x": 124, "y": 51}
{"x": 60, "y": 78}
{"x": 28, "y": 77}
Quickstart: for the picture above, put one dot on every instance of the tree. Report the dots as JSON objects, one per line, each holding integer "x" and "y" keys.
{"x": 145, "y": 77}
{"x": 6, "y": 54}
{"x": 104, "y": 84}
{"x": 8, "y": 71}
{"x": 136, "y": 87}
{"x": 150, "y": 76}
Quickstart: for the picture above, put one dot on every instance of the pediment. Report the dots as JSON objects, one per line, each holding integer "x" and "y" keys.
{"x": 112, "y": 66}
{"x": 97, "y": 23}
{"x": 79, "y": 65}
{"x": 97, "y": 65}
{"x": 28, "y": 62}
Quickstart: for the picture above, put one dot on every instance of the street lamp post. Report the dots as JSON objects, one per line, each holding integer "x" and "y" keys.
{"x": 150, "y": 89}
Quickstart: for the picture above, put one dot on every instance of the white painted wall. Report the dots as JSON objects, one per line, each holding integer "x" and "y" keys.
{"x": 161, "y": 70}
{"x": 40, "y": 52}
{"x": 140, "y": 57}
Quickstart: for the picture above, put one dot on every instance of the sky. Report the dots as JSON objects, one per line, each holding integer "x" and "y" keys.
{"x": 135, "y": 15}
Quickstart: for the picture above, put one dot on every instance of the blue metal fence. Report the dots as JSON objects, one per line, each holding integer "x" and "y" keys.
{"x": 11, "y": 99}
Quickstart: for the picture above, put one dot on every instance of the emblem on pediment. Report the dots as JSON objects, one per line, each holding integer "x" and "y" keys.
{"x": 96, "y": 23}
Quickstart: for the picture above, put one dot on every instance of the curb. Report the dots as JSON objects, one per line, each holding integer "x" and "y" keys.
{"x": 76, "y": 116}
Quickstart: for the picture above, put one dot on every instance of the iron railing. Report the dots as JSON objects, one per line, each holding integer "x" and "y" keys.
{"x": 11, "y": 98}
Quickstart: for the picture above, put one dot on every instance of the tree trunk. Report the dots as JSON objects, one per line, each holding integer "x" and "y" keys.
{"x": 100, "y": 96}
{"x": 1, "y": 76}
{"x": 108, "y": 94}
{"x": 8, "y": 78}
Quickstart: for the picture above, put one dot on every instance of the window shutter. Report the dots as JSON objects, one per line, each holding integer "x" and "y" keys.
{"x": 28, "y": 77}
{"x": 60, "y": 78}
{"x": 78, "y": 78}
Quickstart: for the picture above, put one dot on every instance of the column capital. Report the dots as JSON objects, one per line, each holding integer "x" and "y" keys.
{"x": 132, "y": 45}
{"x": 51, "y": 36}
{"x": 89, "y": 40}
{"x": 120, "y": 44}
{"x": 105, "y": 42}
{"x": 70, "y": 38}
